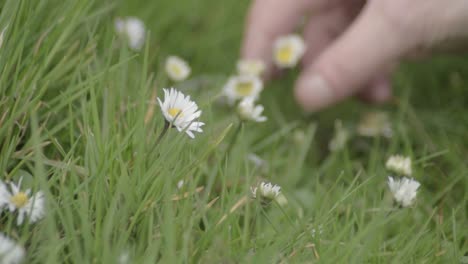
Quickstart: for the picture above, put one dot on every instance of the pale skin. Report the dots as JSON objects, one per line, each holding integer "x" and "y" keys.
{"x": 353, "y": 46}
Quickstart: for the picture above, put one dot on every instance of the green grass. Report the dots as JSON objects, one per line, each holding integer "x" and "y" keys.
{"x": 72, "y": 108}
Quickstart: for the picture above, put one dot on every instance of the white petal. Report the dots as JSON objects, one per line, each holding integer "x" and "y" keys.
{"x": 133, "y": 29}
{"x": 20, "y": 218}
{"x": 36, "y": 207}
{"x": 10, "y": 251}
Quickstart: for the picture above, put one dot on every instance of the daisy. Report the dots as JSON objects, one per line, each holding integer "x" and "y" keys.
{"x": 242, "y": 86}
{"x": 299, "y": 137}
{"x": 177, "y": 69}
{"x": 250, "y": 67}
{"x": 124, "y": 258}
{"x": 256, "y": 160}
{"x": 375, "y": 124}
{"x": 10, "y": 251}
{"x": 180, "y": 184}
{"x": 31, "y": 206}
{"x": 288, "y": 50}
{"x": 266, "y": 190}
{"x": 247, "y": 110}
{"x": 316, "y": 231}
{"x": 404, "y": 190}
{"x": 399, "y": 164}
{"x": 133, "y": 29}
{"x": 181, "y": 112}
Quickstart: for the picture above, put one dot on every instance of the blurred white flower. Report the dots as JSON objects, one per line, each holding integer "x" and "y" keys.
{"x": 124, "y": 258}
{"x": 399, "y": 164}
{"x": 10, "y": 251}
{"x": 316, "y": 232}
{"x": 180, "y": 184}
{"x": 133, "y": 30}
{"x": 340, "y": 138}
{"x": 256, "y": 160}
{"x": 248, "y": 111}
{"x": 266, "y": 190}
{"x": 288, "y": 50}
{"x": 177, "y": 69}
{"x": 404, "y": 190}
{"x": 299, "y": 137}
{"x": 31, "y": 206}
{"x": 181, "y": 112}
{"x": 242, "y": 86}
{"x": 375, "y": 124}
{"x": 250, "y": 67}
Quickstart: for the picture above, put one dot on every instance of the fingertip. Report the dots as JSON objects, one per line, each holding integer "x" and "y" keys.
{"x": 344, "y": 70}
{"x": 313, "y": 92}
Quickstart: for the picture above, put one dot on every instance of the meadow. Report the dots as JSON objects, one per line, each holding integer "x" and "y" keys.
{"x": 80, "y": 123}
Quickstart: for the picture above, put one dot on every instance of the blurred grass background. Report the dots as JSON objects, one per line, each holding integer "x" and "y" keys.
{"x": 72, "y": 108}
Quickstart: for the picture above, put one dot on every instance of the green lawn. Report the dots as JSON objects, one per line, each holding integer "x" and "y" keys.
{"x": 73, "y": 102}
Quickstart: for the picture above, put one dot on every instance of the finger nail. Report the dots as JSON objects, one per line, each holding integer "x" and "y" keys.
{"x": 314, "y": 93}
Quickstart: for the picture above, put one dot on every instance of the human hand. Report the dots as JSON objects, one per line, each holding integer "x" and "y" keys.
{"x": 352, "y": 45}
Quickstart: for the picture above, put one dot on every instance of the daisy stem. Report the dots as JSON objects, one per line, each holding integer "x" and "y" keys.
{"x": 163, "y": 132}
{"x": 234, "y": 138}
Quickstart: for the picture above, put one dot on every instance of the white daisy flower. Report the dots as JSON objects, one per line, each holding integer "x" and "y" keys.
{"x": 316, "y": 232}
{"x": 250, "y": 67}
{"x": 124, "y": 258}
{"x": 31, "y": 206}
{"x": 299, "y": 137}
{"x": 340, "y": 138}
{"x": 177, "y": 69}
{"x": 181, "y": 112}
{"x": 266, "y": 190}
{"x": 248, "y": 111}
{"x": 288, "y": 50}
{"x": 242, "y": 86}
{"x": 10, "y": 251}
{"x": 180, "y": 184}
{"x": 133, "y": 29}
{"x": 399, "y": 164}
{"x": 375, "y": 124}
{"x": 404, "y": 190}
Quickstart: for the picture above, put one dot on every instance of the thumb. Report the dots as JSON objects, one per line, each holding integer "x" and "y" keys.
{"x": 370, "y": 44}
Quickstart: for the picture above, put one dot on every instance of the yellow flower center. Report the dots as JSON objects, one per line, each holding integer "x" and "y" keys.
{"x": 244, "y": 88}
{"x": 20, "y": 199}
{"x": 176, "y": 70}
{"x": 175, "y": 112}
{"x": 285, "y": 53}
